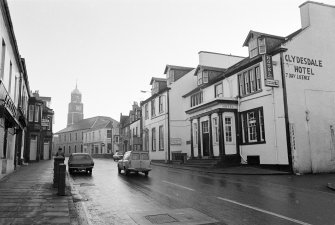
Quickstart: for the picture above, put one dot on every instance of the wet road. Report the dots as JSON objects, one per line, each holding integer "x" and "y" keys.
{"x": 111, "y": 198}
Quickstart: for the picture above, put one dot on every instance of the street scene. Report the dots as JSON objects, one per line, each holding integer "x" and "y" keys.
{"x": 172, "y": 112}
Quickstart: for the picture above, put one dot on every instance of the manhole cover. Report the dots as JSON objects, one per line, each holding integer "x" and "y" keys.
{"x": 161, "y": 218}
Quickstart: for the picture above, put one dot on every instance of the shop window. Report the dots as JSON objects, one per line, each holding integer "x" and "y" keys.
{"x": 161, "y": 138}
{"x": 218, "y": 90}
{"x": 249, "y": 81}
{"x": 252, "y": 123}
{"x": 153, "y": 139}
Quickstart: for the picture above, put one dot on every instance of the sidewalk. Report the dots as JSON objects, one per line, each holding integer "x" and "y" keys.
{"x": 234, "y": 170}
{"x": 27, "y": 197}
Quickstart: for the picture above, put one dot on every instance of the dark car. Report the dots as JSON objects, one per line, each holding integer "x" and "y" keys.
{"x": 80, "y": 162}
{"x": 118, "y": 156}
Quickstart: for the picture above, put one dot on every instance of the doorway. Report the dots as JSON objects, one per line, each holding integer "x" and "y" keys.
{"x": 205, "y": 138}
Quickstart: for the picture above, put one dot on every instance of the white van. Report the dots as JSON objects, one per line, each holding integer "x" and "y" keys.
{"x": 134, "y": 161}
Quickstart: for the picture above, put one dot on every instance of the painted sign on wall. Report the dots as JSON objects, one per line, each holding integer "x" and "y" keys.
{"x": 303, "y": 67}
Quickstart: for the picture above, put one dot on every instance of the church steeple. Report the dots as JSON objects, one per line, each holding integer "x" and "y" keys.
{"x": 76, "y": 108}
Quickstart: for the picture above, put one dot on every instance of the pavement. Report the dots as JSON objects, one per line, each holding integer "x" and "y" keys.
{"x": 27, "y": 195}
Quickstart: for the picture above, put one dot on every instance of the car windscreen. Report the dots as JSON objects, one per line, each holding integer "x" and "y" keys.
{"x": 144, "y": 156}
{"x": 135, "y": 156}
{"x": 80, "y": 157}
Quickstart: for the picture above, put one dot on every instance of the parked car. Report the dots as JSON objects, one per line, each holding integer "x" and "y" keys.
{"x": 134, "y": 161}
{"x": 118, "y": 156}
{"x": 80, "y": 162}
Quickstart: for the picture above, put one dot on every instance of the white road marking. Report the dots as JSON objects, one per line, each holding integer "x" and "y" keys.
{"x": 265, "y": 211}
{"x": 190, "y": 189}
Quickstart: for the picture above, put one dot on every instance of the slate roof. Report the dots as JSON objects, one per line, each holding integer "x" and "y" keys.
{"x": 157, "y": 79}
{"x": 94, "y": 123}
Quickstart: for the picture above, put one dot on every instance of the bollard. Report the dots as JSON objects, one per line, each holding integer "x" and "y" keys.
{"x": 57, "y": 160}
{"x": 61, "y": 179}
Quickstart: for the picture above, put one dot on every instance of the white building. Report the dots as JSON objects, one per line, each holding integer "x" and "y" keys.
{"x": 275, "y": 107}
{"x": 135, "y": 127}
{"x": 14, "y": 94}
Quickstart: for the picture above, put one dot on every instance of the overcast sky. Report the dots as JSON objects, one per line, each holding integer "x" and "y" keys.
{"x": 114, "y": 47}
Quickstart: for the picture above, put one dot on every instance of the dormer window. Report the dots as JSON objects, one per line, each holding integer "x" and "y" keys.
{"x": 155, "y": 87}
{"x": 203, "y": 77}
{"x": 257, "y": 46}
{"x": 170, "y": 76}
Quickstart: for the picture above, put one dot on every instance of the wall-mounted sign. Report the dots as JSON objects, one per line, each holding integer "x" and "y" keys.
{"x": 45, "y": 123}
{"x": 301, "y": 68}
{"x": 268, "y": 72}
{"x": 175, "y": 141}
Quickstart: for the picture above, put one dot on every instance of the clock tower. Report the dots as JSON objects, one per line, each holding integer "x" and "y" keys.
{"x": 76, "y": 110}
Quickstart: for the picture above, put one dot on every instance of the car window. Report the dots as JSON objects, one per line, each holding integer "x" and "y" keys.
{"x": 144, "y": 156}
{"x": 135, "y": 156}
{"x": 81, "y": 157}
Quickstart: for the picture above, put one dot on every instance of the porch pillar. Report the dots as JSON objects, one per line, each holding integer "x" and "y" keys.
{"x": 221, "y": 137}
{"x": 211, "y": 154}
{"x": 192, "y": 150}
{"x": 199, "y": 140}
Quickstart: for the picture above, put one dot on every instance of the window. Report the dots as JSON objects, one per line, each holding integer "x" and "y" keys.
{"x": 153, "y": 110}
{"x": 195, "y": 133}
{"x": 10, "y": 77}
{"x": 37, "y": 110}
{"x": 31, "y": 113}
{"x": 252, "y": 123}
{"x": 253, "y": 48}
{"x": 109, "y": 133}
{"x": 160, "y": 104}
{"x": 261, "y": 46}
{"x": 136, "y": 131}
{"x": 161, "y": 138}
{"x": 199, "y": 78}
{"x": 146, "y": 111}
{"x": 75, "y": 148}
{"x": 216, "y": 129}
{"x": 171, "y": 76}
{"x": 153, "y": 139}
{"x": 3, "y": 54}
{"x": 196, "y": 99}
{"x": 146, "y": 140}
{"x": 228, "y": 129}
{"x": 249, "y": 81}
{"x": 218, "y": 90}
{"x": 204, "y": 127}
{"x": 205, "y": 76}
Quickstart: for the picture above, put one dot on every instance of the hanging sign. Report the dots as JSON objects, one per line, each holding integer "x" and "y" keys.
{"x": 268, "y": 72}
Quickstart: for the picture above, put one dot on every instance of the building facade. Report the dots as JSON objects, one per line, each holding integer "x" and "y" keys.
{"x": 76, "y": 108}
{"x": 39, "y": 130}
{"x": 124, "y": 129}
{"x": 14, "y": 94}
{"x": 135, "y": 128}
{"x": 81, "y": 136}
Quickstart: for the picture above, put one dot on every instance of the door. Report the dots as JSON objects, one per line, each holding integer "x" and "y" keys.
{"x": 320, "y": 119}
{"x": 33, "y": 147}
{"x": 229, "y": 133}
{"x": 46, "y": 150}
{"x": 205, "y": 138}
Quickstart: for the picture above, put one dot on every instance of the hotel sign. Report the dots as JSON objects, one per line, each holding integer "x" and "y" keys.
{"x": 302, "y": 68}
{"x": 268, "y": 72}
{"x": 45, "y": 123}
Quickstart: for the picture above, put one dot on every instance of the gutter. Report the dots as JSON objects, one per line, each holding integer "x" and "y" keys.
{"x": 287, "y": 124}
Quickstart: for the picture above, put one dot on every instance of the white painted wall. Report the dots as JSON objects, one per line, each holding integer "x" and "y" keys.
{"x": 217, "y": 60}
{"x": 311, "y": 102}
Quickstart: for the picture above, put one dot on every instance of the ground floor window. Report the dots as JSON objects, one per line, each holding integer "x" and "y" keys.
{"x": 252, "y": 123}
{"x": 153, "y": 139}
{"x": 228, "y": 129}
{"x": 161, "y": 138}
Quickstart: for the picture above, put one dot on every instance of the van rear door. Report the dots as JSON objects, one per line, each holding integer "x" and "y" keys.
{"x": 145, "y": 161}
{"x": 135, "y": 160}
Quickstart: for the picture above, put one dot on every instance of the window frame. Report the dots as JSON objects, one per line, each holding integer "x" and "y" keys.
{"x": 253, "y": 132}
{"x": 153, "y": 139}
{"x": 249, "y": 81}
{"x": 161, "y": 138}
{"x": 216, "y": 93}
{"x": 153, "y": 108}
{"x": 160, "y": 104}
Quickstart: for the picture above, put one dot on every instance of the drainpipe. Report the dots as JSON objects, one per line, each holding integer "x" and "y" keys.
{"x": 287, "y": 125}
{"x": 168, "y": 119}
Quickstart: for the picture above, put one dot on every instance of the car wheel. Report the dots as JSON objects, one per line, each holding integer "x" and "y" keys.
{"x": 126, "y": 172}
{"x": 146, "y": 173}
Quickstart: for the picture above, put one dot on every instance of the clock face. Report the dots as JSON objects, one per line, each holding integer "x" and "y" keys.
{"x": 78, "y": 108}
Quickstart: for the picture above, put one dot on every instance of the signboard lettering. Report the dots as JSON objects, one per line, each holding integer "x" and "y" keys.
{"x": 303, "y": 67}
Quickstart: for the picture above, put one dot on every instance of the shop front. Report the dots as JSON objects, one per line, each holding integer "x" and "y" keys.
{"x": 213, "y": 130}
